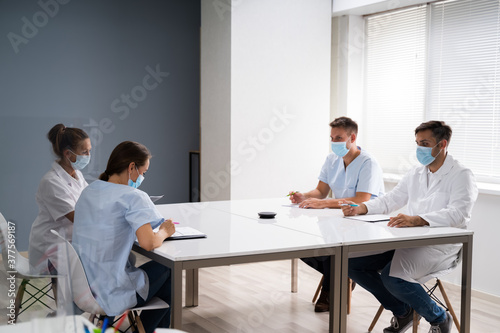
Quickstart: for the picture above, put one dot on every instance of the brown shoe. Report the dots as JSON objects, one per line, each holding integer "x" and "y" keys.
{"x": 322, "y": 305}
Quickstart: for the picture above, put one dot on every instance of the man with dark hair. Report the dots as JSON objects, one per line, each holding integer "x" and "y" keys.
{"x": 351, "y": 174}
{"x": 439, "y": 193}
{"x": 440, "y": 131}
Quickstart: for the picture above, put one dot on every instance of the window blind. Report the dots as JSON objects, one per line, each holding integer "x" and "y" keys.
{"x": 394, "y": 86}
{"x": 435, "y": 62}
{"x": 463, "y": 81}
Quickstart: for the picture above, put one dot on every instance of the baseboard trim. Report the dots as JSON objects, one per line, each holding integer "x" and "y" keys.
{"x": 475, "y": 293}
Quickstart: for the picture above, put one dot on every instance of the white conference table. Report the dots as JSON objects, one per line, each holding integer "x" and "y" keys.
{"x": 296, "y": 229}
{"x": 233, "y": 239}
{"x": 358, "y": 237}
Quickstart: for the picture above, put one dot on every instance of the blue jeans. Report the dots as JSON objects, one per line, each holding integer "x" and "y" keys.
{"x": 395, "y": 294}
{"x": 159, "y": 286}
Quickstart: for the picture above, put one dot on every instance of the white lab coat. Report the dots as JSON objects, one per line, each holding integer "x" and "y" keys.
{"x": 56, "y": 196}
{"x": 443, "y": 199}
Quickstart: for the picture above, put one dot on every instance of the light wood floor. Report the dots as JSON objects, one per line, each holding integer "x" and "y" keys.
{"x": 257, "y": 298}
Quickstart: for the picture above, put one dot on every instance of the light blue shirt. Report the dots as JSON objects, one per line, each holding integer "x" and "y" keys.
{"x": 107, "y": 216}
{"x": 363, "y": 174}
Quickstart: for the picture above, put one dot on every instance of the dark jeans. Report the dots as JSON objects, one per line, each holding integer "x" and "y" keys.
{"x": 395, "y": 294}
{"x": 322, "y": 265}
{"x": 159, "y": 286}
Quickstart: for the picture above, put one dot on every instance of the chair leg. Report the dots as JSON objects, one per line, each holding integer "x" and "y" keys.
{"x": 448, "y": 304}
{"x": 54, "y": 289}
{"x": 138, "y": 322}
{"x": 349, "y": 293}
{"x": 133, "y": 323}
{"x": 375, "y": 319}
{"x": 416, "y": 322}
{"x": 316, "y": 294}
{"x": 294, "y": 275}
{"x": 349, "y": 296}
{"x": 36, "y": 295}
{"x": 19, "y": 297}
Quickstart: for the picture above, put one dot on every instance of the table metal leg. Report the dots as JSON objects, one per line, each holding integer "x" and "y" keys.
{"x": 466, "y": 286}
{"x": 335, "y": 290}
{"x": 176, "y": 306}
{"x": 295, "y": 267}
{"x": 344, "y": 283}
{"x": 192, "y": 287}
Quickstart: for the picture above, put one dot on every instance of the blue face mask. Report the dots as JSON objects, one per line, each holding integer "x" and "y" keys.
{"x": 339, "y": 148}
{"x": 424, "y": 155}
{"x": 81, "y": 161}
{"x": 137, "y": 182}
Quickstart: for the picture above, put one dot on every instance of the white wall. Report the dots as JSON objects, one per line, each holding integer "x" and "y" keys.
{"x": 280, "y": 95}
{"x": 274, "y": 135}
{"x": 485, "y": 263}
{"x": 348, "y": 38}
{"x": 215, "y": 109}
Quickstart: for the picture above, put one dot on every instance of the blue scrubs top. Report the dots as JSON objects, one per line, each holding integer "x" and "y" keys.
{"x": 363, "y": 174}
{"x": 107, "y": 215}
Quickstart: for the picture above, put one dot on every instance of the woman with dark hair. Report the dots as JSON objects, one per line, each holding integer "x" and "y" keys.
{"x": 109, "y": 216}
{"x": 57, "y": 194}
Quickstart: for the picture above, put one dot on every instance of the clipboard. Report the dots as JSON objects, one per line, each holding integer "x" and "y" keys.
{"x": 186, "y": 233}
{"x": 370, "y": 218}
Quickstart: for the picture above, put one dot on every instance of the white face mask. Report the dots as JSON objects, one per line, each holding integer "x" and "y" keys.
{"x": 81, "y": 161}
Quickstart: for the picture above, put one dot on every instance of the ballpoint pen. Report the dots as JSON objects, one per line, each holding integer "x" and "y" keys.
{"x": 352, "y": 205}
{"x": 292, "y": 193}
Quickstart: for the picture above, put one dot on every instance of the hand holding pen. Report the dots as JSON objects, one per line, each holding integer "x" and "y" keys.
{"x": 350, "y": 208}
{"x": 169, "y": 227}
{"x": 296, "y": 197}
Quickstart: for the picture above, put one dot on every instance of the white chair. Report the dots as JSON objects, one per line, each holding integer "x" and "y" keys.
{"x": 82, "y": 294}
{"x": 14, "y": 263}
